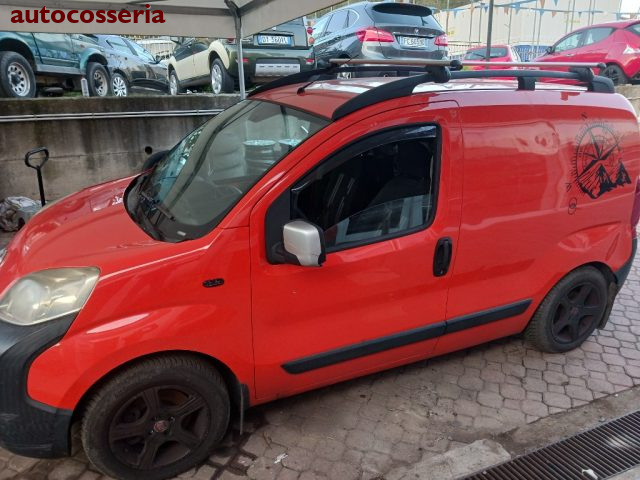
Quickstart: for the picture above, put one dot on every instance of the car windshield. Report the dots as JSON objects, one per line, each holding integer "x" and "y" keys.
{"x": 481, "y": 54}
{"x": 196, "y": 184}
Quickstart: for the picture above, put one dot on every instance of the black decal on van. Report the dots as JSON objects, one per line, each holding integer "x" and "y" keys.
{"x": 597, "y": 163}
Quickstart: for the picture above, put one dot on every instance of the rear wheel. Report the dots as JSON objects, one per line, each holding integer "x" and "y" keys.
{"x": 570, "y": 312}
{"x": 156, "y": 419}
{"x": 17, "y": 79}
{"x": 119, "y": 85}
{"x": 98, "y": 79}
{"x": 221, "y": 81}
{"x": 616, "y": 74}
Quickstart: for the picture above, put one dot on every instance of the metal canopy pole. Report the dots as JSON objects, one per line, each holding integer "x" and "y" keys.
{"x": 487, "y": 57}
{"x": 237, "y": 18}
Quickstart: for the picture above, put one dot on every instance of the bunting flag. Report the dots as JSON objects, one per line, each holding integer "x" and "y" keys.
{"x": 486, "y": 7}
{"x": 506, "y": 10}
{"x": 555, "y": 2}
{"x": 553, "y": 13}
{"x": 542, "y": 3}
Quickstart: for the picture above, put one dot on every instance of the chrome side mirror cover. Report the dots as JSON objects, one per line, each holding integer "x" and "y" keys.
{"x": 304, "y": 244}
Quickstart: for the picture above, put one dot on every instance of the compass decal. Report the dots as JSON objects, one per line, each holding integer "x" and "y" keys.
{"x": 597, "y": 164}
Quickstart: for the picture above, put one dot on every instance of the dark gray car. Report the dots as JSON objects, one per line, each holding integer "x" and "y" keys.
{"x": 379, "y": 31}
{"x": 131, "y": 66}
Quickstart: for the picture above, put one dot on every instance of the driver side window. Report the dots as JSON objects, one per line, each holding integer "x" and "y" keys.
{"x": 569, "y": 43}
{"x": 379, "y": 192}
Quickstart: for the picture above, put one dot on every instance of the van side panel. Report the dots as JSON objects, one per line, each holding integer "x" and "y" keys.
{"x": 547, "y": 188}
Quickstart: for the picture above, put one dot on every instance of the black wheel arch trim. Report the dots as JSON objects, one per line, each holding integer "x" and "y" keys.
{"x": 401, "y": 339}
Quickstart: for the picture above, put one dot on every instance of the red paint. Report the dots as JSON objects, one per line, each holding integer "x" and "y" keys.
{"x": 507, "y": 198}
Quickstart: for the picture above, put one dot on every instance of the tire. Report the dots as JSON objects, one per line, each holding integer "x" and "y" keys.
{"x": 142, "y": 405}
{"x": 174, "y": 83}
{"x": 98, "y": 79}
{"x": 616, "y": 74}
{"x": 570, "y": 312}
{"x": 119, "y": 85}
{"x": 16, "y": 76}
{"x": 221, "y": 81}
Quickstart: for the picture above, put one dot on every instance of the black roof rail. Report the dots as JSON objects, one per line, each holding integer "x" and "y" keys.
{"x": 437, "y": 71}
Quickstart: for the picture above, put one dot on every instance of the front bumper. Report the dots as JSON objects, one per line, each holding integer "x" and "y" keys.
{"x": 28, "y": 427}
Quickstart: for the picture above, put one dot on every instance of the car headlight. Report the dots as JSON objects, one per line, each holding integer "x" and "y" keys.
{"x": 3, "y": 253}
{"x": 47, "y": 295}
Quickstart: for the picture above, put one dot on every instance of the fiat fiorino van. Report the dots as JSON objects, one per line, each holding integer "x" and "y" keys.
{"x": 323, "y": 229}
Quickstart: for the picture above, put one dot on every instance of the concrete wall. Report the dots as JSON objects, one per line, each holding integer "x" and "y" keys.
{"x": 632, "y": 92}
{"x": 89, "y": 151}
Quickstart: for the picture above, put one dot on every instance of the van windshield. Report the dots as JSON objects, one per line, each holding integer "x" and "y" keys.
{"x": 196, "y": 184}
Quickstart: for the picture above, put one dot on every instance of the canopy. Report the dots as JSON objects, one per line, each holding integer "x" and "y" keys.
{"x": 194, "y": 18}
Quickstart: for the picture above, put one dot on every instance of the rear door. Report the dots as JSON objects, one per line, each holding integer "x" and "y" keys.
{"x": 184, "y": 59}
{"x": 386, "y": 193}
{"x": 413, "y": 27}
{"x": 328, "y": 46}
{"x": 56, "y": 49}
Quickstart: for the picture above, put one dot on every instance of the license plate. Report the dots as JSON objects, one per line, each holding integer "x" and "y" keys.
{"x": 274, "y": 40}
{"x": 412, "y": 42}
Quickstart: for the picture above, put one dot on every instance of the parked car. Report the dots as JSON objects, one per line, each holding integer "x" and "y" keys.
{"x": 28, "y": 60}
{"x": 380, "y": 30}
{"x": 280, "y": 51}
{"x": 616, "y": 44}
{"x": 499, "y": 53}
{"x": 305, "y": 237}
{"x": 131, "y": 66}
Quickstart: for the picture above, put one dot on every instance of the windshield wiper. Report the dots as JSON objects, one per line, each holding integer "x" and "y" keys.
{"x": 156, "y": 204}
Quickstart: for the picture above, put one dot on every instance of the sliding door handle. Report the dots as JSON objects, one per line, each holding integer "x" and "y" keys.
{"x": 442, "y": 257}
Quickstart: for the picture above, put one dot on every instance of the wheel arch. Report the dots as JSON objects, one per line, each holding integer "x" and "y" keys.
{"x": 217, "y": 50}
{"x": 238, "y": 392}
{"x": 92, "y": 57}
{"x": 17, "y": 46}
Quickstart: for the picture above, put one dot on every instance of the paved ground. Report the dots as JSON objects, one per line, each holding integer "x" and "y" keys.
{"x": 366, "y": 428}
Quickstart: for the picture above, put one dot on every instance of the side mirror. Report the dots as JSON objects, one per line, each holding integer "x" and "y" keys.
{"x": 549, "y": 50}
{"x": 304, "y": 244}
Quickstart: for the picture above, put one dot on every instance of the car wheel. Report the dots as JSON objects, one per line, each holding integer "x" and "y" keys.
{"x": 570, "y": 312}
{"x": 616, "y": 74}
{"x": 119, "y": 85}
{"x": 221, "y": 81}
{"x": 98, "y": 79}
{"x": 156, "y": 419}
{"x": 16, "y": 76}
{"x": 174, "y": 83}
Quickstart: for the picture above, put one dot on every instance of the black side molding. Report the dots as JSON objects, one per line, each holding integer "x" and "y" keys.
{"x": 402, "y": 339}
{"x": 370, "y": 347}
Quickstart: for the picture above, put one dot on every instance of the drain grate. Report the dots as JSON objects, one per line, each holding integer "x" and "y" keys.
{"x": 599, "y": 453}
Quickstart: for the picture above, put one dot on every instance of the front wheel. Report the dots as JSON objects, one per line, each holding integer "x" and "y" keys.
{"x": 119, "y": 85}
{"x": 17, "y": 79}
{"x": 174, "y": 83}
{"x": 570, "y": 312}
{"x": 156, "y": 419}
{"x": 98, "y": 79}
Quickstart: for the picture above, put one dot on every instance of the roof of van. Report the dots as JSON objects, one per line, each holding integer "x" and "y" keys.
{"x": 324, "y": 97}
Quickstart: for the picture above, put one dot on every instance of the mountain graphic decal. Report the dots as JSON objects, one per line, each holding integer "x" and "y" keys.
{"x": 598, "y": 166}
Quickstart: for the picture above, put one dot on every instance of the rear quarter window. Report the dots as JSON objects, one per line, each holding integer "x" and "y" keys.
{"x": 634, "y": 28}
{"x": 404, "y": 14}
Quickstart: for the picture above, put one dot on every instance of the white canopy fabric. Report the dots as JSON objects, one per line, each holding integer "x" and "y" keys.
{"x": 193, "y": 18}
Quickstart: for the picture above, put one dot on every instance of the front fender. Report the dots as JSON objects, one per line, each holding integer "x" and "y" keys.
{"x": 63, "y": 374}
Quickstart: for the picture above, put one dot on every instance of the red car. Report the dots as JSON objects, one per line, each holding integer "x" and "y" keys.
{"x": 499, "y": 53}
{"x": 616, "y": 44}
{"x": 319, "y": 231}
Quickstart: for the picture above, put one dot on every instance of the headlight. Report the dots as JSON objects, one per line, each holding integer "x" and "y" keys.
{"x": 47, "y": 295}
{"x": 3, "y": 253}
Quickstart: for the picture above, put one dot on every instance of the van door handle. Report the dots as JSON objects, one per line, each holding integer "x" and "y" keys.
{"x": 442, "y": 257}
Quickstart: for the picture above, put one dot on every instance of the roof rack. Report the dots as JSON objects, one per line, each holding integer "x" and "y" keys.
{"x": 437, "y": 71}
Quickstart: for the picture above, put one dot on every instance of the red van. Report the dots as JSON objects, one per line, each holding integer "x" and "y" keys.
{"x": 321, "y": 230}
